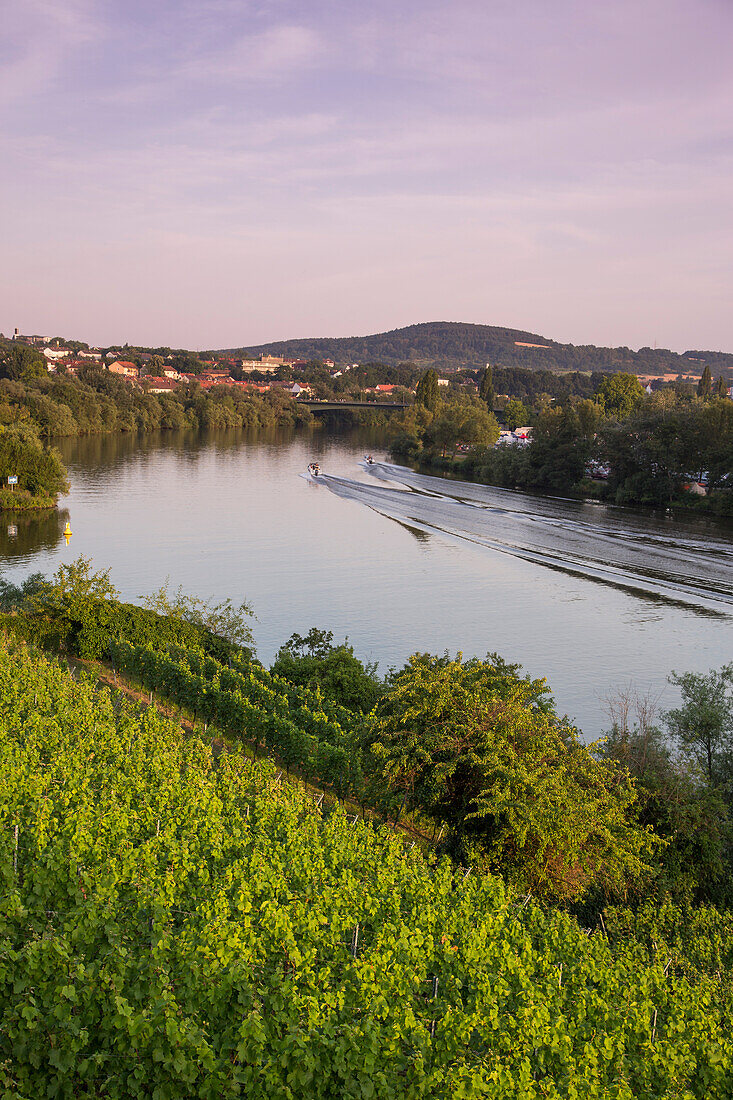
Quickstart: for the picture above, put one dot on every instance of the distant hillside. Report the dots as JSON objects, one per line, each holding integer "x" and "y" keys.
{"x": 450, "y": 345}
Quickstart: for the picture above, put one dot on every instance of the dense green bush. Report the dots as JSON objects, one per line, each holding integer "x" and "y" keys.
{"x": 477, "y": 747}
{"x": 80, "y": 610}
{"x": 313, "y": 661}
{"x": 40, "y": 472}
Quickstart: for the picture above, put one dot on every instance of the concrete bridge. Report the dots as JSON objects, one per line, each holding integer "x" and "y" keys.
{"x": 339, "y": 406}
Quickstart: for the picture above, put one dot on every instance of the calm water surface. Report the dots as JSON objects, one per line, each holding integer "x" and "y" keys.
{"x": 592, "y": 598}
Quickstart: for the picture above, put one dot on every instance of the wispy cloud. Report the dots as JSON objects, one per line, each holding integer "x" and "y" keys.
{"x": 39, "y": 38}
{"x": 278, "y": 52}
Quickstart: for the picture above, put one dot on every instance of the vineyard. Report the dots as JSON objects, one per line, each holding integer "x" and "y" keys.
{"x": 177, "y": 923}
{"x": 299, "y": 727}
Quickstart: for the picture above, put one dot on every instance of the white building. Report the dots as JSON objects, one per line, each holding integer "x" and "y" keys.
{"x": 251, "y": 365}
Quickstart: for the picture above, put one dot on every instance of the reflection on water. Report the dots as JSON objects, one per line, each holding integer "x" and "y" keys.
{"x": 89, "y": 455}
{"x": 23, "y": 533}
{"x": 590, "y": 597}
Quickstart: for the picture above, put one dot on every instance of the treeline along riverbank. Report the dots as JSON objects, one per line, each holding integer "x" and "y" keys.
{"x": 38, "y": 410}
{"x": 179, "y": 917}
{"x": 623, "y": 445}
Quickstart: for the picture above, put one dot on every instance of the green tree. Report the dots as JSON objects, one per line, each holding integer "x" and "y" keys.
{"x": 703, "y": 725}
{"x": 13, "y": 596}
{"x": 224, "y": 619}
{"x": 444, "y": 433}
{"x": 705, "y": 385}
{"x": 479, "y": 427}
{"x": 620, "y": 394}
{"x": 515, "y": 414}
{"x": 17, "y": 361}
{"x": 562, "y": 443}
{"x": 462, "y": 422}
{"x": 68, "y": 602}
{"x": 316, "y": 643}
{"x": 643, "y": 454}
{"x": 427, "y": 390}
{"x": 486, "y": 387}
{"x": 721, "y": 388}
{"x": 77, "y": 581}
{"x": 39, "y": 469}
{"x": 479, "y": 748}
{"x": 689, "y": 816}
{"x": 313, "y": 661}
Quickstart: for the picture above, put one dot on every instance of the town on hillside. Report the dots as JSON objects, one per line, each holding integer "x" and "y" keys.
{"x": 164, "y": 371}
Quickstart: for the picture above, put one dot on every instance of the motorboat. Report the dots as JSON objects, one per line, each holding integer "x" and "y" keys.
{"x": 369, "y": 460}
{"x": 314, "y": 469}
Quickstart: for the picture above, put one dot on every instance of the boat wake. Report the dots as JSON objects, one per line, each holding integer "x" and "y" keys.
{"x": 648, "y": 557}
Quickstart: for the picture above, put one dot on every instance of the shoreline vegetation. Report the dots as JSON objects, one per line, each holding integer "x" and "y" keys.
{"x": 669, "y": 449}
{"x": 209, "y": 890}
{"x": 717, "y": 507}
{"x": 34, "y": 412}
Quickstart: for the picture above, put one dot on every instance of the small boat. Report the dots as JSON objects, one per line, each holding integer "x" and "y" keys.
{"x": 369, "y": 460}
{"x": 314, "y": 469}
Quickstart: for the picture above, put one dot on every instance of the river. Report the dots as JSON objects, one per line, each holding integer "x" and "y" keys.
{"x": 593, "y": 598}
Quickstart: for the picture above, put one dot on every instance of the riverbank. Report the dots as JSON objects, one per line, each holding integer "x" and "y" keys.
{"x": 95, "y": 402}
{"x": 32, "y": 475}
{"x": 23, "y": 501}
{"x": 718, "y": 505}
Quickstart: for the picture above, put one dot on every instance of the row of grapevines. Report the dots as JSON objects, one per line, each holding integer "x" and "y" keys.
{"x": 296, "y": 694}
{"x": 175, "y": 925}
{"x": 310, "y": 709}
{"x": 260, "y": 716}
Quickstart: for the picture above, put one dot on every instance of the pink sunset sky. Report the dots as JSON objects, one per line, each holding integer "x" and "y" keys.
{"x": 224, "y": 173}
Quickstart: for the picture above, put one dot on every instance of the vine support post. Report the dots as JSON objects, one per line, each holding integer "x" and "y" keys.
{"x": 435, "y": 995}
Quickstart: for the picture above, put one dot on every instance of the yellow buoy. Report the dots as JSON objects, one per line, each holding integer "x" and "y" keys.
{"x": 67, "y": 532}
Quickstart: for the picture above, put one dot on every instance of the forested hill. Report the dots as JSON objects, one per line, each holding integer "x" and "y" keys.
{"x": 452, "y": 344}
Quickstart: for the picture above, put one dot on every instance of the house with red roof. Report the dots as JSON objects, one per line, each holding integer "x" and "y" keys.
{"x": 124, "y": 368}
{"x": 158, "y": 385}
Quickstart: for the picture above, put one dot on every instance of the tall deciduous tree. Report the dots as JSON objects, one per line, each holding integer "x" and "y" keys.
{"x": 515, "y": 414}
{"x": 478, "y": 747}
{"x": 427, "y": 390}
{"x": 562, "y": 441}
{"x": 705, "y": 385}
{"x": 466, "y": 422}
{"x": 620, "y": 394}
{"x": 18, "y": 361}
{"x": 486, "y": 389}
{"x": 315, "y": 662}
{"x": 690, "y": 816}
{"x": 39, "y": 469}
{"x": 703, "y": 725}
